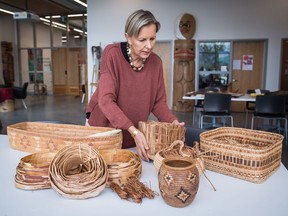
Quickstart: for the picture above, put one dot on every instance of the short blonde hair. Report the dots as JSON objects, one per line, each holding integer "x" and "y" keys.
{"x": 137, "y": 20}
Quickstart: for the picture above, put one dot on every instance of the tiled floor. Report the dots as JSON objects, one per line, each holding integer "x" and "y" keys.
{"x": 70, "y": 109}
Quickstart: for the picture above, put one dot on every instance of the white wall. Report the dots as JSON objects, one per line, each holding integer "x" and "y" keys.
{"x": 215, "y": 19}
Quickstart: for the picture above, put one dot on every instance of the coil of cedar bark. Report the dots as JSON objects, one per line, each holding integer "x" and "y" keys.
{"x": 133, "y": 194}
{"x": 142, "y": 188}
{"x": 119, "y": 191}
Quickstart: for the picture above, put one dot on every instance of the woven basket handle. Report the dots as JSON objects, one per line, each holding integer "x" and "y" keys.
{"x": 174, "y": 144}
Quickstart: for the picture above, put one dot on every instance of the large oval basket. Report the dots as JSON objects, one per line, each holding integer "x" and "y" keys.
{"x": 36, "y": 137}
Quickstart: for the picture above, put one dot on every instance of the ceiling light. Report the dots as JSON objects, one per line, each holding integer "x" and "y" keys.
{"x": 6, "y": 11}
{"x": 76, "y": 15}
{"x": 69, "y": 15}
{"x": 55, "y": 16}
{"x": 44, "y": 20}
{"x": 77, "y": 30}
{"x": 55, "y": 23}
{"x": 59, "y": 24}
{"x": 56, "y": 26}
{"x": 80, "y": 2}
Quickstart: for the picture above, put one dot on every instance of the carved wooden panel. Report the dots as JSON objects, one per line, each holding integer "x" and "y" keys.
{"x": 184, "y": 74}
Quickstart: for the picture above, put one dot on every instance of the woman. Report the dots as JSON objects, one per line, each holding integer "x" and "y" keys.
{"x": 131, "y": 83}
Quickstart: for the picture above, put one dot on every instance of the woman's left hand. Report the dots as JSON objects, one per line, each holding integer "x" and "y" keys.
{"x": 176, "y": 122}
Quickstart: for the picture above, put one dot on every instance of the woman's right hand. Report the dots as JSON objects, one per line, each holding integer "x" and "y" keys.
{"x": 141, "y": 145}
{"x": 140, "y": 141}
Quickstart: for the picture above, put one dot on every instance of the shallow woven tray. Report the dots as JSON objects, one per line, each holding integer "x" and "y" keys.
{"x": 32, "y": 171}
{"x": 160, "y": 135}
{"x": 122, "y": 164}
{"x": 246, "y": 154}
{"x": 36, "y": 137}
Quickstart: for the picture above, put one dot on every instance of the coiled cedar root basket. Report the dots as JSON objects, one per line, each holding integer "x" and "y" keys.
{"x": 78, "y": 172}
{"x": 122, "y": 164}
{"x": 32, "y": 171}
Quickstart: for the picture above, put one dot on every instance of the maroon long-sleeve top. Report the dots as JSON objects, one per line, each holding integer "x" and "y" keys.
{"x": 124, "y": 96}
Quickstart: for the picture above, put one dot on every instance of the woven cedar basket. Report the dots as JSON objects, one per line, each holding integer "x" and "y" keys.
{"x": 178, "y": 180}
{"x": 246, "y": 154}
{"x": 32, "y": 171}
{"x": 160, "y": 135}
{"x": 179, "y": 149}
{"x": 78, "y": 172}
{"x": 122, "y": 164}
{"x": 36, "y": 137}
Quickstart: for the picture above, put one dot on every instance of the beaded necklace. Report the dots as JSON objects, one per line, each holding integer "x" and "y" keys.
{"x": 131, "y": 63}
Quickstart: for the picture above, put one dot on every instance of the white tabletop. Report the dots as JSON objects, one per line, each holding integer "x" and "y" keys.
{"x": 244, "y": 97}
{"x": 233, "y": 196}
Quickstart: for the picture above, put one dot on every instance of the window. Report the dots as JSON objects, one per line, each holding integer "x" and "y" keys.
{"x": 214, "y": 56}
{"x": 214, "y": 63}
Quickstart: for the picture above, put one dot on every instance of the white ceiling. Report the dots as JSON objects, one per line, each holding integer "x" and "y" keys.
{"x": 44, "y": 8}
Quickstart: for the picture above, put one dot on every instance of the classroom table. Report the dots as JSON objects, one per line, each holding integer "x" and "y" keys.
{"x": 235, "y": 97}
{"x": 232, "y": 196}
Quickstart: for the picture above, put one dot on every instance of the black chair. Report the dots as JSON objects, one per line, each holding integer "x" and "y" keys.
{"x": 83, "y": 93}
{"x": 216, "y": 105}
{"x": 271, "y": 107}
{"x": 199, "y": 103}
{"x": 283, "y": 93}
{"x": 21, "y": 93}
{"x": 250, "y": 105}
{"x": 193, "y": 135}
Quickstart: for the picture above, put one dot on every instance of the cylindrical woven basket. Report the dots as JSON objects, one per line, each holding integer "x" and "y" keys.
{"x": 78, "y": 172}
{"x": 160, "y": 135}
{"x": 251, "y": 155}
{"x": 122, "y": 164}
{"x": 179, "y": 149}
{"x": 36, "y": 137}
{"x": 178, "y": 180}
{"x": 32, "y": 171}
